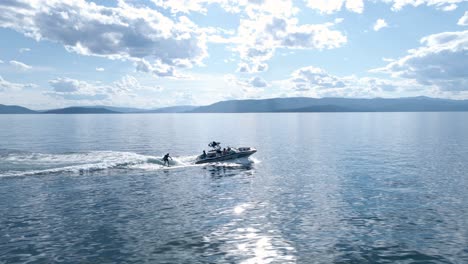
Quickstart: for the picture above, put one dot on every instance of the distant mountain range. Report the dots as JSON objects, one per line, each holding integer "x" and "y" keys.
{"x": 14, "y": 109}
{"x": 98, "y": 109}
{"x": 116, "y": 109}
{"x": 293, "y": 104}
{"x": 80, "y": 110}
{"x": 305, "y": 104}
{"x": 102, "y": 109}
{"x": 173, "y": 109}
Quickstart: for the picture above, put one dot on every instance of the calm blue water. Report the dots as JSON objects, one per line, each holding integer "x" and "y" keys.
{"x": 323, "y": 188}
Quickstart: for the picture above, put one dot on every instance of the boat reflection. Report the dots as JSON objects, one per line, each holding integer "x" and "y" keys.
{"x": 222, "y": 170}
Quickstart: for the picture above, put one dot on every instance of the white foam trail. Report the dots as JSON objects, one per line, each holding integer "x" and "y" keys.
{"x": 72, "y": 162}
{"x": 157, "y": 163}
{"x": 43, "y": 164}
{"x": 255, "y": 160}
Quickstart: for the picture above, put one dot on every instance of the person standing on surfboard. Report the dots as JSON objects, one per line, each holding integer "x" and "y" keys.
{"x": 166, "y": 159}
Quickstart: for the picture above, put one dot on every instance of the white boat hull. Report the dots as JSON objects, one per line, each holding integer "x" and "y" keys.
{"x": 229, "y": 156}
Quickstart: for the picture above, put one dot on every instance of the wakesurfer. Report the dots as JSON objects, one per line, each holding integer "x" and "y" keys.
{"x": 166, "y": 159}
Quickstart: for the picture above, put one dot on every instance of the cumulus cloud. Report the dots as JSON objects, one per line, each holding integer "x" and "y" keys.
{"x": 250, "y": 7}
{"x": 441, "y": 61}
{"x": 72, "y": 89}
{"x": 129, "y": 83}
{"x": 463, "y": 21}
{"x": 244, "y": 88}
{"x": 254, "y": 82}
{"x": 450, "y": 7}
{"x": 445, "y": 5}
{"x": 158, "y": 69}
{"x": 379, "y": 24}
{"x": 332, "y": 6}
{"x": 259, "y": 37}
{"x": 142, "y": 35}
{"x": 186, "y": 6}
{"x": 22, "y": 50}
{"x": 183, "y": 98}
{"x": 258, "y": 81}
{"x": 251, "y": 68}
{"x": 20, "y": 66}
{"x": 357, "y": 6}
{"x": 310, "y": 77}
{"x": 323, "y": 6}
{"x": 200, "y": 6}
{"x": 6, "y": 86}
{"x": 264, "y": 26}
{"x": 67, "y": 85}
{"x": 388, "y": 59}
{"x": 316, "y": 82}
{"x": 183, "y": 6}
{"x": 99, "y": 69}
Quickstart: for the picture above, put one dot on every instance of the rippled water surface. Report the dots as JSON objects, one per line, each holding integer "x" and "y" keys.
{"x": 322, "y": 188}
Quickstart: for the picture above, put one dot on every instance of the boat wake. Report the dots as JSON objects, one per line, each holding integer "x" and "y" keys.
{"x": 27, "y": 164}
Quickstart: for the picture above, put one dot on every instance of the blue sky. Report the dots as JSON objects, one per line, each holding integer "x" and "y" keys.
{"x": 156, "y": 53}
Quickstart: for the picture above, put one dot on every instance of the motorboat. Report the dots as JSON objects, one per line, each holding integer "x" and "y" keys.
{"x": 216, "y": 154}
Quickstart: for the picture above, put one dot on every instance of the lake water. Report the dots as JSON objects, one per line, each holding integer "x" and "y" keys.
{"x": 322, "y": 188}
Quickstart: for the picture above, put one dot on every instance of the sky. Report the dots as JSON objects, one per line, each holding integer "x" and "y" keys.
{"x": 157, "y": 53}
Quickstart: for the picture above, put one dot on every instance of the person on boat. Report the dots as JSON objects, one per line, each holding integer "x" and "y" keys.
{"x": 166, "y": 159}
{"x": 215, "y": 145}
{"x": 203, "y": 156}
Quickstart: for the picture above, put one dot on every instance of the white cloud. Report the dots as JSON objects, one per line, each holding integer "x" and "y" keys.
{"x": 67, "y": 85}
{"x": 129, "y": 83}
{"x": 264, "y": 26}
{"x": 258, "y": 39}
{"x": 310, "y": 77}
{"x": 99, "y": 69}
{"x": 388, "y": 59}
{"x": 1, "y": 61}
{"x": 122, "y": 32}
{"x": 379, "y": 24}
{"x": 253, "y": 67}
{"x": 326, "y": 6}
{"x": 357, "y": 6}
{"x": 441, "y": 61}
{"x": 332, "y": 6}
{"x": 258, "y": 81}
{"x": 249, "y": 7}
{"x": 183, "y": 98}
{"x": 463, "y": 21}
{"x": 445, "y": 5}
{"x": 184, "y": 6}
{"x": 316, "y": 82}
{"x": 22, "y": 50}
{"x": 6, "y": 86}
{"x": 200, "y": 6}
{"x": 244, "y": 88}
{"x": 339, "y": 20}
{"x": 253, "y": 82}
{"x": 159, "y": 69}
{"x": 72, "y": 89}
{"x": 20, "y": 66}
{"x": 450, "y": 7}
